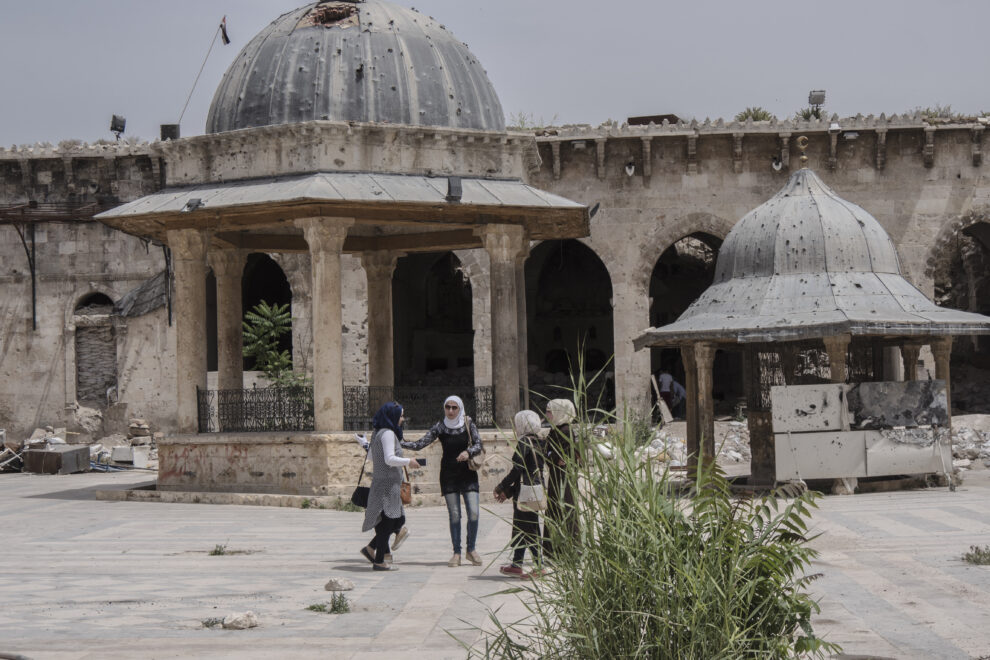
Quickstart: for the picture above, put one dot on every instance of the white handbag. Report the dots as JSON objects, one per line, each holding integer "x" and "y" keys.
{"x": 531, "y": 498}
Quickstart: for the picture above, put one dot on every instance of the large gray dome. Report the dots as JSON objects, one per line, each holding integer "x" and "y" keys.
{"x": 365, "y": 61}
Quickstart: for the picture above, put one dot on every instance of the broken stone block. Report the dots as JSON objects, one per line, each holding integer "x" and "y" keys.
{"x": 339, "y": 584}
{"x": 141, "y": 456}
{"x": 962, "y": 463}
{"x": 122, "y": 455}
{"x": 141, "y": 440}
{"x": 845, "y": 486}
{"x": 63, "y": 459}
{"x": 240, "y": 621}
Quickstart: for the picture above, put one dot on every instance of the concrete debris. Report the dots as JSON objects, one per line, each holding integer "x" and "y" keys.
{"x": 90, "y": 420}
{"x": 240, "y": 621}
{"x": 339, "y": 584}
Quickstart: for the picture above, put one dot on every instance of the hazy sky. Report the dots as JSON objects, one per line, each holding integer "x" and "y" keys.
{"x": 69, "y": 64}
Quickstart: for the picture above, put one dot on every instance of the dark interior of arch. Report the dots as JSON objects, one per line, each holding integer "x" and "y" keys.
{"x": 95, "y": 302}
{"x": 568, "y": 316}
{"x": 433, "y": 335}
{"x": 263, "y": 280}
{"x": 680, "y": 276}
{"x": 964, "y": 284}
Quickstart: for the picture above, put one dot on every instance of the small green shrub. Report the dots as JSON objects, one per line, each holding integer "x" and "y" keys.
{"x": 807, "y": 114}
{"x": 338, "y": 605}
{"x": 756, "y": 113}
{"x": 977, "y": 555}
{"x": 213, "y": 622}
{"x": 305, "y": 504}
{"x": 653, "y": 573}
{"x": 218, "y": 549}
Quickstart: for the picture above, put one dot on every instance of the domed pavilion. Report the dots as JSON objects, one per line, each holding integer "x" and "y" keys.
{"x": 806, "y": 277}
{"x": 347, "y": 127}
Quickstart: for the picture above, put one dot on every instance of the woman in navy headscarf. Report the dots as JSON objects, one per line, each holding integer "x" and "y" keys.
{"x": 384, "y": 512}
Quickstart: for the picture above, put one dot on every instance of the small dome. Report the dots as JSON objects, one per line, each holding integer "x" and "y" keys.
{"x": 808, "y": 264}
{"x": 806, "y": 228}
{"x": 364, "y": 61}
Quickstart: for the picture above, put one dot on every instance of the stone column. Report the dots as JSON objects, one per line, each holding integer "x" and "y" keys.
{"x": 523, "y": 331}
{"x": 630, "y": 317}
{"x": 228, "y": 268}
{"x": 942, "y": 350}
{"x": 379, "y": 267}
{"x": 909, "y": 355}
{"x": 325, "y": 237}
{"x": 837, "y": 348}
{"x": 691, "y": 402}
{"x": 704, "y": 357}
{"x": 188, "y": 248}
{"x": 504, "y": 244}
{"x": 762, "y": 444}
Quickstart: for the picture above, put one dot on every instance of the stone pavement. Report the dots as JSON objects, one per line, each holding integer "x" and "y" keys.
{"x": 82, "y": 578}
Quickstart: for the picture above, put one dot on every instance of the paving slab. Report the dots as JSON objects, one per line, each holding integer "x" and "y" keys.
{"x": 88, "y": 578}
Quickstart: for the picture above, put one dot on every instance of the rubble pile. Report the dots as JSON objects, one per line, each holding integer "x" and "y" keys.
{"x": 113, "y": 452}
{"x": 971, "y": 442}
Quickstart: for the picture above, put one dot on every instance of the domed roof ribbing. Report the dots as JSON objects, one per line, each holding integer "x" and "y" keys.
{"x": 365, "y": 61}
{"x": 808, "y": 264}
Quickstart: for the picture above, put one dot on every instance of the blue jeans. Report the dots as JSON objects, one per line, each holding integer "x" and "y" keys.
{"x": 454, "y": 513}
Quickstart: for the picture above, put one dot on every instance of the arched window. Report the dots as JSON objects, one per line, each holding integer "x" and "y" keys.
{"x": 96, "y": 351}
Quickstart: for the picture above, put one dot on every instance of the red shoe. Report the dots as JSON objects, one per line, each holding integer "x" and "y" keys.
{"x": 512, "y": 571}
{"x": 535, "y": 574}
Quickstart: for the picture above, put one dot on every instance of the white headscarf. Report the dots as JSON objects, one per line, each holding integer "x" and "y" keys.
{"x": 526, "y": 422}
{"x": 457, "y": 422}
{"x": 562, "y": 410}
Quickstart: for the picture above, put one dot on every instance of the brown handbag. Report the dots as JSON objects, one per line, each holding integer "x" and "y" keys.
{"x": 405, "y": 489}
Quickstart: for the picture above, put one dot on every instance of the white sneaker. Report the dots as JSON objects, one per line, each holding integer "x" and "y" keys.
{"x": 400, "y": 536}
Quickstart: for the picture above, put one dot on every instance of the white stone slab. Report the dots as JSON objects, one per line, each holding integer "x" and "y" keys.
{"x": 886, "y": 456}
{"x": 829, "y": 455}
{"x": 803, "y": 408}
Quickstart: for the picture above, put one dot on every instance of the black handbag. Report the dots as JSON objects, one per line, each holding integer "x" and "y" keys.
{"x": 360, "y": 495}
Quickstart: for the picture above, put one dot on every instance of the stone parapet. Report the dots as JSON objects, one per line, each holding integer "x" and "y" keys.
{"x": 329, "y": 146}
{"x": 307, "y": 464}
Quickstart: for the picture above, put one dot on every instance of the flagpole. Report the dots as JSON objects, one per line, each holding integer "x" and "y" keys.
{"x": 202, "y": 66}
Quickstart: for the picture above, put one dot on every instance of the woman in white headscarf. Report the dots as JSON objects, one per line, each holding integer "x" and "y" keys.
{"x": 527, "y": 470}
{"x": 460, "y": 440}
{"x": 561, "y": 452}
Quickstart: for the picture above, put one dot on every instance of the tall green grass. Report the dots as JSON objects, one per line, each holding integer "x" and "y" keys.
{"x": 666, "y": 568}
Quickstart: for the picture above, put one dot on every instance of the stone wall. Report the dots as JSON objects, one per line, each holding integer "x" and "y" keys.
{"x": 925, "y": 184}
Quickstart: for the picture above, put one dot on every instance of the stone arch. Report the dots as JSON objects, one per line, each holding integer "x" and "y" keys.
{"x": 959, "y": 265}
{"x": 92, "y": 360}
{"x": 265, "y": 279}
{"x": 433, "y": 337}
{"x": 939, "y": 256}
{"x": 680, "y": 268}
{"x": 569, "y": 296}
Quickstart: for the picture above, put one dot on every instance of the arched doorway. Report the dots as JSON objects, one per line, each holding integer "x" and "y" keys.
{"x": 963, "y": 282}
{"x": 96, "y": 351}
{"x": 263, "y": 280}
{"x": 433, "y": 336}
{"x": 681, "y": 274}
{"x": 569, "y": 320}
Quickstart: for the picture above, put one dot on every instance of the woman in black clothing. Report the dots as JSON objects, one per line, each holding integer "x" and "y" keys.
{"x": 460, "y": 440}
{"x": 527, "y": 468}
{"x": 561, "y": 450}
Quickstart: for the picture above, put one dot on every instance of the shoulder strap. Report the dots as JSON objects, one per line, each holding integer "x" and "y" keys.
{"x": 366, "y": 455}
